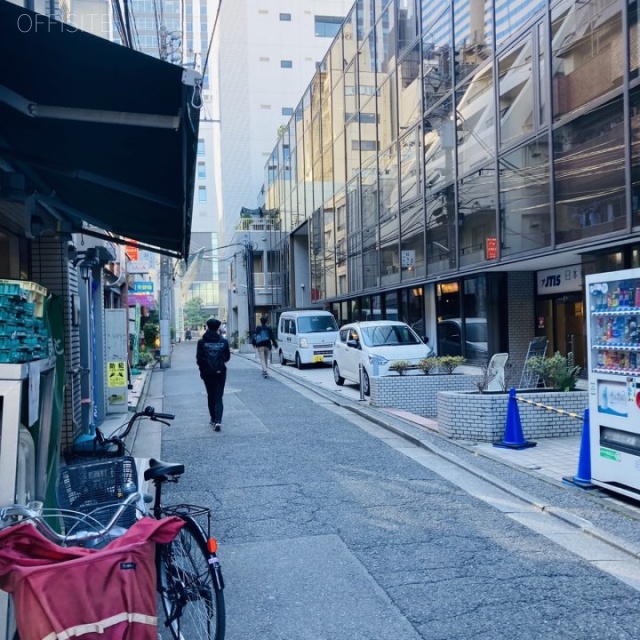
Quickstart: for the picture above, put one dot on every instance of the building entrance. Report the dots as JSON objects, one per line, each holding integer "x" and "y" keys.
{"x": 561, "y": 320}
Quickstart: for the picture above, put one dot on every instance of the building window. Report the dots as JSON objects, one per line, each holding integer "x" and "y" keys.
{"x": 328, "y": 26}
{"x": 201, "y": 170}
{"x": 202, "y": 194}
{"x": 200, "y": 147}
{"x": 285, "y": 17}
{"x": 286, "y": 64}
{"x": 287, "y": 111}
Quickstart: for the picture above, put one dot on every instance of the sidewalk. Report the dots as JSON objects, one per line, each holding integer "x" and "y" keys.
{"x": 554, "y": 458}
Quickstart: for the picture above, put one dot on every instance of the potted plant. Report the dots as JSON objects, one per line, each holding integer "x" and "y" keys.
{"x": 558, "y": 372}
{"x": 401, "y": 366}
{"x": 449, "y": 363}
{"x": 428, "y": 365}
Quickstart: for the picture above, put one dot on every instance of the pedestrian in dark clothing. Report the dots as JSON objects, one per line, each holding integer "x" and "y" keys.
{"x": 211, "y": 354}
{"x": 262, "y": 340}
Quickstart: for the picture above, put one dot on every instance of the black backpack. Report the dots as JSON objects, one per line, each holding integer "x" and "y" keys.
{"x": 214, "y": 353}
{"x": 262, "y": 335}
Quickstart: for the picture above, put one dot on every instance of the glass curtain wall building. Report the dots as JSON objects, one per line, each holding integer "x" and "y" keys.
{"x": 453, "y": 137}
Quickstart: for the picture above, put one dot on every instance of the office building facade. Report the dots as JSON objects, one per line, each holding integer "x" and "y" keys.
{"x": 462, "y": 160}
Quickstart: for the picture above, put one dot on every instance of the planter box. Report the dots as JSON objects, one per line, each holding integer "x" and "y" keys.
{"x": 482, "y": 417}
{"x": 417, "y": 394}
{"x": 246, "y": 348}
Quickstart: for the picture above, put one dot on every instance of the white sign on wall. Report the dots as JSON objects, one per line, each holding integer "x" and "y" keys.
{"x": 139, "y": 266}
{"x": 559, "y": 280}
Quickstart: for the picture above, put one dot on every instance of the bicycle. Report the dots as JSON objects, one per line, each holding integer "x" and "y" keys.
{"x": 114, "y": 446}
{"x": 189, "y": 578}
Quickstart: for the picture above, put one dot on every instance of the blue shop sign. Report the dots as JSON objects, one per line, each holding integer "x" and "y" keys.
{"x": 143, "y": 287}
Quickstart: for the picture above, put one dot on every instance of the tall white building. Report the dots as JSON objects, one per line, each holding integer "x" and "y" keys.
{"x": 265, "y": 54}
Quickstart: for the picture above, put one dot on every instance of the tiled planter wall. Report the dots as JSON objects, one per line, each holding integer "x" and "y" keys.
{"x": 482, "y": 417}
{"x": 417, "y": 394}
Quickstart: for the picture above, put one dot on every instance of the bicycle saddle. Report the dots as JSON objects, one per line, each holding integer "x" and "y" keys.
{"x": 157, "y": 469}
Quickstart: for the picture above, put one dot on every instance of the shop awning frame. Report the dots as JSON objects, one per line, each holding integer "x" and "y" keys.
{"x": 102, "y": 134}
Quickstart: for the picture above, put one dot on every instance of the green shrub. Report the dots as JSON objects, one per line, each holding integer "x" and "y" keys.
{"x": 146, "y": 357}
{"x": 557, "y": 371}
{"x": 449, "y": 363}
{"x": 428, "y": 364}
{"x": 401, "y": 366}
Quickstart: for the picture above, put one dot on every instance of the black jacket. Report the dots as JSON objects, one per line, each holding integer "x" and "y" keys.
{"x": 201, "y": 359}
{"x": 264, "y": 343}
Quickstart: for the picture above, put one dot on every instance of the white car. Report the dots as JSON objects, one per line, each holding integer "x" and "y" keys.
{"x": 382, "y": 340}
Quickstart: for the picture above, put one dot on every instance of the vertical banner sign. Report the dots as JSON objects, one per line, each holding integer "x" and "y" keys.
{"x": 492, "y": 249}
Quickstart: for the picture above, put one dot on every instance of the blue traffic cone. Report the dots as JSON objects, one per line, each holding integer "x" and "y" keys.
{"x": 513, "y": 437}
{"x": 582, "y": 478}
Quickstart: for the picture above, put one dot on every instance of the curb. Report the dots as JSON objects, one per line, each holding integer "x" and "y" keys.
{"x": 373, "y": 416}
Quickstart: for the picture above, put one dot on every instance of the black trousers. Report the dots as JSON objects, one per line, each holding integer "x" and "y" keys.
{"x": 215, "y": 390}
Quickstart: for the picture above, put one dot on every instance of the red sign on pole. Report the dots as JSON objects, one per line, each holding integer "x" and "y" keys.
{"x": 132, "y": 252}
{"x": 491, "y": 249}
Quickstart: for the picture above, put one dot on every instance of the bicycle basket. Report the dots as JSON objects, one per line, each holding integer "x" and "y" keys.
{"x": 89, "y": 452}
{"x": 98, "y": 488}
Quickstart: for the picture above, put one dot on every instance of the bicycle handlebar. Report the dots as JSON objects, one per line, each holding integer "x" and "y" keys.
{"x": 165, "y": 416}
{"x": 18, "y": 510}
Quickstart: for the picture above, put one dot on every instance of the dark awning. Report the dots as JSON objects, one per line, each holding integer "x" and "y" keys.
{"x": 103, "y": 134}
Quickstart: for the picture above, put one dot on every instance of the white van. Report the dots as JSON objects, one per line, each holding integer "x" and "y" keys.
{"x": 306, "y": 337}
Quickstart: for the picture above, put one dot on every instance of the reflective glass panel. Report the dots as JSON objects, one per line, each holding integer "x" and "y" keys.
{"x": 477, "y": 217}
{"x": 440, "y": 227}
{"x": 350, "y": 92}
{"x": 437, "y": 64}
{"x": 385, "y": 45}
{"x": 634, "y": 41}
{"x": 409, "y": 95}
{"x": 369, "y": 131}
{"x": 635, "y": 156}
{"x": 515, "y": 87}
{"x": 439, "y": 147}
{"x": 525, "y": 206}
{"x": 410, "y": 166}
{"x": 589, "y": 174}
{"x": 407, "y": 25}
{"x": 475, "y": 122}
{"x": 412, "y": 261}
{"x": 388, "y": 113}
{"x": 349, "y": 37}
{"x": 329, "y": 249}
{"x": 352, "y": 138}
{"x": 510, "y": 16}
{"x": 587, "y": 52}
{"x": 389, "y": 223}
{"x": 472, "y": 35}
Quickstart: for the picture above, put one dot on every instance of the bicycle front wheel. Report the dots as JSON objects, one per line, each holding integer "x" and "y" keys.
{"x": 190, "y": 586}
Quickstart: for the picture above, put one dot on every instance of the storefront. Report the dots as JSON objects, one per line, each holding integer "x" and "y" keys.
{"x": 91, "y": 133}
{"x": 560, "y": 311}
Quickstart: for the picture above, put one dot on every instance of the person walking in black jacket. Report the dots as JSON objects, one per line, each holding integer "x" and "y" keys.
{"x": 212, "y": 353}
{"x": 262, "y": 340}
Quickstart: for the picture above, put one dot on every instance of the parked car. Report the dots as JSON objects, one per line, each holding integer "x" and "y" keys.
{"x": 387, "y": 340}
{"x": 450, "y": 338}
{"x": 306, "y": 337}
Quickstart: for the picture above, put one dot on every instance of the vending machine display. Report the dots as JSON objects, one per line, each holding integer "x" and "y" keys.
{"x": 613, "y": 333}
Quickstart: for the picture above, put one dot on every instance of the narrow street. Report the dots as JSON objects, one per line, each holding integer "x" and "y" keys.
{"x": 332, "y": 528}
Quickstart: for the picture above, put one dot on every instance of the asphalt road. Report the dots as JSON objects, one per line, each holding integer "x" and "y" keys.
{"x": 332, "y": 527}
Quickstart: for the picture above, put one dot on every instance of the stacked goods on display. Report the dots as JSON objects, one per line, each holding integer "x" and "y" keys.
{"x": 23, "y": 333}
{"x": 616, "y": 334}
